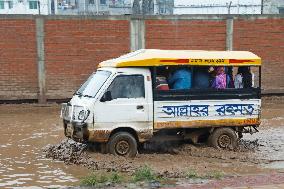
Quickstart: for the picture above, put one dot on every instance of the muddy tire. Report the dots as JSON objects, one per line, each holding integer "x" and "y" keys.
{"x": 122, "y": 144}
{"x": 223, "y": 138}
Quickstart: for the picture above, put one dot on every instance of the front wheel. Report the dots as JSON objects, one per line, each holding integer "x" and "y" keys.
{"x": 122, "y": 144}
{"x": 223, "y": 138}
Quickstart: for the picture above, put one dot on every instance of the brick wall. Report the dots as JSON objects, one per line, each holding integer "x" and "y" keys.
{"x": 264, "y": 37}
{"x": 73, "y": 46}
{"x": 73, "y": 49}
{"x": 186, "y": 34}
{"x": 18, "y": 66}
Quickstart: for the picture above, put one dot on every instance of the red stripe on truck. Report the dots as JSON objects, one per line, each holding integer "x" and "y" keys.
{"x": 176, "y": 61}
{"x": 232, "y": 61}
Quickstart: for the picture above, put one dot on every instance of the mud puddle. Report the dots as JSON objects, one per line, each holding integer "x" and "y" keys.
{"x": 28, "y": 129}
{"x": 170, "y": 160}
{"x": 25, "y": 130}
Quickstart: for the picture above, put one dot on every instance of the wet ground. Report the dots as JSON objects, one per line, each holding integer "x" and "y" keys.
{"x": 30, "y": 132}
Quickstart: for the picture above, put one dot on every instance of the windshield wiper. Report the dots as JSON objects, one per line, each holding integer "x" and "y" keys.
{"x": 87, "y": 96}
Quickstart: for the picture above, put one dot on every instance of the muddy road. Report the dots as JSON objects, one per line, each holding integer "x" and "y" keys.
{"x": 30, "y": 132}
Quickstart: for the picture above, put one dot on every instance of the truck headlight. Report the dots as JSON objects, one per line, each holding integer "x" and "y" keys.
{"x": 82, "y": 115}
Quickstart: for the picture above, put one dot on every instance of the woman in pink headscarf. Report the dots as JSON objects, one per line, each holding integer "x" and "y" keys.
{"x": 220, "y": 79}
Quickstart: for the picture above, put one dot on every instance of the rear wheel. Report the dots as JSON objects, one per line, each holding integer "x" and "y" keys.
{"x": 223, "y": 138}
{"x": 122, "y": 144}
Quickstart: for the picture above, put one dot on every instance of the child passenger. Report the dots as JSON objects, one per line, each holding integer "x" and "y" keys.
{"x": 219, "y": 81}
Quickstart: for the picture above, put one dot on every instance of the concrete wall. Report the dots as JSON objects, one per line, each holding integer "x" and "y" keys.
{"x": 48, "y": 57}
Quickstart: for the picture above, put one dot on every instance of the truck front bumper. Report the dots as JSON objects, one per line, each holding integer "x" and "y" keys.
{"x": 75, "y": 130}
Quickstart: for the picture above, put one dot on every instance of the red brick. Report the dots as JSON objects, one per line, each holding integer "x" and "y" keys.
{"x": 73, "y": 49}
{"x": 18, "y": 72}
{"x": 265, "y": 37}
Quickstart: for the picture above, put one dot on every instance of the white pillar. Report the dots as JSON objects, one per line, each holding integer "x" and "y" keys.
{"x": 97, "y": 6}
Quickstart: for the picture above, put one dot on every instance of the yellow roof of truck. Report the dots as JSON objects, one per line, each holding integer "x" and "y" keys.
{"x": 156, "y": 57}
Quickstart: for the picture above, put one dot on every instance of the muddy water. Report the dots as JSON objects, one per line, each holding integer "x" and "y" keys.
{"x": 27, "y": 129}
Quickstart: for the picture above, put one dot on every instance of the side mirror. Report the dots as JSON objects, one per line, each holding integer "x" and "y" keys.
{"x": 106, "y": 97}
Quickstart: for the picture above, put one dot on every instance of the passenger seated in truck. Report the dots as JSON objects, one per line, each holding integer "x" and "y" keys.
{"x": 161, "y": 83}
{"x": 219, "y": 82}
{"x": 180, "y": 78}
{"x": 229, "y": 77}
{"x": 244, "y": 78}
{"x": 161, "y": 80}
{"x": 201, "y": 77}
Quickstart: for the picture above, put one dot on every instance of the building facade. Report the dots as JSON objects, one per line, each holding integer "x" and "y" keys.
{"x": 145, "y": 7}
{"x": 273, "y": 6}
{"x": 39, "y": 7}
{"x": 95, "y": 7}
{"x": 217, "y": 7}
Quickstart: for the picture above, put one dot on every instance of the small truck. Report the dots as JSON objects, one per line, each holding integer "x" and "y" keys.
{"x": 120, "y": 107}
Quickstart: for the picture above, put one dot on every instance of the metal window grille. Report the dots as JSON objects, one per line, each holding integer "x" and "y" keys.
{"x": 33, "y": 4}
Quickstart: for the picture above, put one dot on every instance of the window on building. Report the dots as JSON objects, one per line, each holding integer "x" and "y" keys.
{"x": 281, "y": 10}
{"x": 33, "y": 4}
{"x": 91, "y": 2}
{"x": 102, "y": 2}
{"x": 2, "y": 5}
{"x": 10, "y": 4}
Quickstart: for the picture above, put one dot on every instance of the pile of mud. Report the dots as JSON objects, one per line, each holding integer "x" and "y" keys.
{"x": 71, "y": 152}
{"x": 248, "y": 145}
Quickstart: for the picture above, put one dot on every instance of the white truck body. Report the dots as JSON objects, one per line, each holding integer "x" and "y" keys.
{"x": 146, "y": 116}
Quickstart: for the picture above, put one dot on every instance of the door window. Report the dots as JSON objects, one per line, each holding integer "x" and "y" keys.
{"x": 127, "y": 86}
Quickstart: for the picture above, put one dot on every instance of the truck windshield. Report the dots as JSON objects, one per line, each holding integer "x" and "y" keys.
{"x": 91, "y": 87}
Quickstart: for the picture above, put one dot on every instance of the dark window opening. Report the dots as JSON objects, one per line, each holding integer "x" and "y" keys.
{"x": 202, "y": 82}
{"x": 281, "y": 10}
{"x": 33, "y": 4}
{"x": 2, "y": 5}
{"x": 10, "y": 4}
{"x": 103, "y": 2}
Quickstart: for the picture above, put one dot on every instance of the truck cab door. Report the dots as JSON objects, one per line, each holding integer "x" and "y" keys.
{"x": 126, "y": 103}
